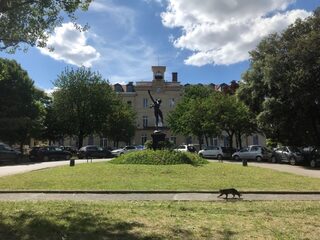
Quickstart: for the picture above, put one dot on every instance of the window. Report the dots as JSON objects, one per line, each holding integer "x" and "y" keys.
{"x": 145, "y": 102}
{"x": 143, "y": 138}
{"x": 255, "y": 149}
{"x": 129, "y": 103}
{"x": 145, "y": 121}
{"x": 90, "y": 140}
{"x": 255, "y": 140}
{"x": 118, "y": 88}
{"x": 213, "y": 141}
{"x": 103, "y": 142}
{"x": 171, "y": 102}
{"x": 226, "y": 141}
{"x": 173, "y": 140}
{"x": 130, "y": 87}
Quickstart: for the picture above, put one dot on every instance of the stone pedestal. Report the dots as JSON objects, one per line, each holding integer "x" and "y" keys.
{"x": 157, "y": 136}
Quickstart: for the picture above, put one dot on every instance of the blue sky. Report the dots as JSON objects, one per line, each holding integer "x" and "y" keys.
{"x": 204, "y": 41}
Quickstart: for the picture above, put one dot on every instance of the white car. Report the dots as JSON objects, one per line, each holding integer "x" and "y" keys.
{"x": 127, "y": 149}
{"x": 185, "y": 148}
{"x": 216, "y": 152}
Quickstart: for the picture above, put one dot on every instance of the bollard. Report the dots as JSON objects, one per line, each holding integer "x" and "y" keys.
{"x": 72, "y": 162}
{"x": 244, "y": 162}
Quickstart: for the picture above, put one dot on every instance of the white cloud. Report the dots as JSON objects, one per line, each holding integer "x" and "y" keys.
{"x": 50, "y": 91}
{"x": 70, "y": 45}
{"x": 121, "y": 15}
{"x": 160, "y": 2}
{"x": 222, "y": 32}
{"x": 127, "y": 62}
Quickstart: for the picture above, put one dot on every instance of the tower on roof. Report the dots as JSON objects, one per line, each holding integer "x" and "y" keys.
{"x": 158, "y": 72}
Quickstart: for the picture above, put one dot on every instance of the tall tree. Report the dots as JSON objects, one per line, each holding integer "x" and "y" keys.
{"x": 82, "y": 102}
{"x": 21, "y": 104}
{"x": 121, "y": 124}
{"x": 30, "y": 22}
{"x": 191, "y": 116}
{"x": 282, "y": 84}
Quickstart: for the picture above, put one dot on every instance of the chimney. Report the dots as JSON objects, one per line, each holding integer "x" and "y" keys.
{"x": 174, "y": 77}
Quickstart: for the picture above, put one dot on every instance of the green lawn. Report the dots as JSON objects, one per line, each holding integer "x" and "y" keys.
{"x": 159, "y": 220}
{"x": 107, "y": 176}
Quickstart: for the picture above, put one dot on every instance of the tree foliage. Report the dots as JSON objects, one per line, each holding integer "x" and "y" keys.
{"x": 282, "y": 84}
{"x": 206, "y": 113}
{"x": 191, "y": 116}
{"x": 30, "y": 22}
{"x": 21, "y": 104}
{"x": 82, "y": 102}
{"x": 120, "y": 126}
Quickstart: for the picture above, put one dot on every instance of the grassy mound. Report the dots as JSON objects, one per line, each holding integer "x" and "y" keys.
{"x": 159, "y": 157}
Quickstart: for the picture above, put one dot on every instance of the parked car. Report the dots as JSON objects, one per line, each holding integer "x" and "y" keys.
{"x": 126, "y": 149}
{"x": 33, "y": 153}
{"x": 8, "y": 154}
{"x": 71, "y": 149}
{"x": 49, "y": 153}
{"x": 288, "y": 154}
{"x": 216, "y": 152}
{"x": 185, "y": 148}
{"x": 140, "y": 147}
{"x": 311, "y": 156}
{"x": 253, "y": 152}
{"x": 93, "y": 151}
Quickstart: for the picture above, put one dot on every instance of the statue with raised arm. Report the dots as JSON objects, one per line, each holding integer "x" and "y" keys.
{"x": 157, "y": 111}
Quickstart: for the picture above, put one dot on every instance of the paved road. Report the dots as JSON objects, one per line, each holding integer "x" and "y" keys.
{"x": 299, "y": 170}
{"x": 152, "y": 197}
{"x": 28, "y": 167}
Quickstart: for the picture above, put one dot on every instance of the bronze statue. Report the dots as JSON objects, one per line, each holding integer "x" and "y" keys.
{"x": 157, "y": 111}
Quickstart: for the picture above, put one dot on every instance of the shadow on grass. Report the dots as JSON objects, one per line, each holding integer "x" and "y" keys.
{"x": 71, "y": 225}
{"x": 227, "y": 234}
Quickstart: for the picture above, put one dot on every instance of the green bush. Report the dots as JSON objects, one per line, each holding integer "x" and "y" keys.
{"x": 148, "y": 144}
{"x": 159, "y": 157}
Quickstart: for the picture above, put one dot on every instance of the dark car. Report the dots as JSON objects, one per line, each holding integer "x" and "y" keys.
{"x": 71, "y": 149}
{"x": 33, "y": 153}
{"x": 93, "y": 151}
{"x": 288, "y": 154}
{"x": 311, "y": 156}
{"x": 8, "y": 154}
{"x": 49, "y": 153}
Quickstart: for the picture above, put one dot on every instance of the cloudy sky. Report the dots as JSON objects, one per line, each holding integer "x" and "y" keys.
{"x": 204, "y": 41}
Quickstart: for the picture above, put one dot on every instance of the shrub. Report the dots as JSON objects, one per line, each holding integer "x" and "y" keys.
{"x": 148, "y": 144}
{"x": 159, "y": 157}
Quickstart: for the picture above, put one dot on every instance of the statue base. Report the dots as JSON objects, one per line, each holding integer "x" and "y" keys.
{"x": 157, "y": 136}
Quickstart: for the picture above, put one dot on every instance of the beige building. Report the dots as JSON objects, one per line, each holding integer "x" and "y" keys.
{"x": 137, "y": 95}
{"x": 170, "y": 93}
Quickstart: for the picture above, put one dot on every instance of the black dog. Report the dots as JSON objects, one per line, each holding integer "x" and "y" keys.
{"x": 228, "y": 191}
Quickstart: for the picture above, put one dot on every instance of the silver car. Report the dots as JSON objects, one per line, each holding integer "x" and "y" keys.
{"x": 253, "y": 152}
{"x": 216, "y": 152}
{"x": 287, "y": 154}
{"x": 126, "y": 149}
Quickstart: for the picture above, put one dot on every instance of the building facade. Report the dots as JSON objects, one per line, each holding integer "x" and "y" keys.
{"x": 170, "y": 92}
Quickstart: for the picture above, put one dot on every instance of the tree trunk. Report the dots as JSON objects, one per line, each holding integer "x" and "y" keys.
{"x": 21, "y": 148}
{"x": 200, "y": 141}
{"x": 80, "y": 138}
{"x": 207, "y": 141}
{"x": 315, "y": 129}
{"x": 239, "y": 140}
{"x": 230, "y": 138}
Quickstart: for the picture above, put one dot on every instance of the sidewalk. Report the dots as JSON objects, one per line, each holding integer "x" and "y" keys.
{"x": 39, "y": 196}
